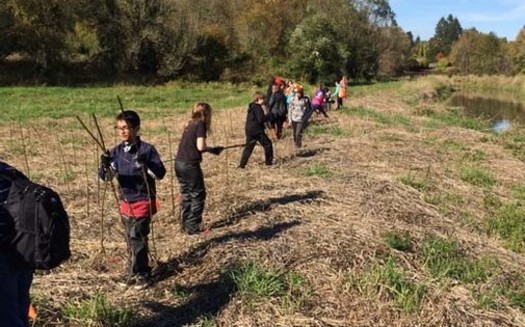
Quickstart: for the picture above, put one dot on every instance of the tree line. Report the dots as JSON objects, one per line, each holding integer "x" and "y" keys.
{"x": 230, "y": 40}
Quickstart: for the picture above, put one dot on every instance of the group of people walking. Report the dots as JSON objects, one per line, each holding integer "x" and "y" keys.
{"x": 137, "y": 165}
{"x": 285, "y": 104}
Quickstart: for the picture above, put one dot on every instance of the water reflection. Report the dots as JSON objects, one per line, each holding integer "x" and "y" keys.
{"x": 502, "y": 114}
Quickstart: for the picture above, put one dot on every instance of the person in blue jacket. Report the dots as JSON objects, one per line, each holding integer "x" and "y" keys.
{"x": 15, "y": 282}
{"x": 136, "y": 165}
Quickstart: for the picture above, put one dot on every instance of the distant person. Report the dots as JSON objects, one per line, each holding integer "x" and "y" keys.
{"x": 318, "y": 102}
{"x": 340, "y": 92}
{"x": 15, "y": 281}
{"x": 276, "y": 104}
{"x": 298, "y": 114}
{"x": 254, "y": 129}
{"x": 136, "y": 165}
{"x": 188, "y": 167}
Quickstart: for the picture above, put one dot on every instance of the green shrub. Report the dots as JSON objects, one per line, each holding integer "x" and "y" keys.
{"x": 401, "y": 242}
{"x": 96, "y": 311}
{"x": 443, "y": 259}
{"x": 418, "y": 184}
{"x": 478, "y": 177}
{"x": 508, "y": 223}
{"x": 318, "y": 170}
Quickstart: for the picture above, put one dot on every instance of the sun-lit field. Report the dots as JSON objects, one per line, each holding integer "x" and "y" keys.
{"x": 398, "y": 211}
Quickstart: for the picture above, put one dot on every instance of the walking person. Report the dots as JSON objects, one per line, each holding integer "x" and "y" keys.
{"x": 255, "y": 123}
{"x": 188, "y": 167}
{"x": 318, "y": 102}
{"x": 15, "y": 281}
{"x": 299, "y": 109}
{"x": 340, "y": 92}
{"x": 136, "y": 165}
{"x": 276, "y": 104}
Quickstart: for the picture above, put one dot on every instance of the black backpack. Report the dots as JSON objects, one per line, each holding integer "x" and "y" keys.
{"x": 42, "y": 232}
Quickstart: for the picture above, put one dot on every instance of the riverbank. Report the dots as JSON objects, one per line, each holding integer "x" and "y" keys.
{"x": 399, "y": 211}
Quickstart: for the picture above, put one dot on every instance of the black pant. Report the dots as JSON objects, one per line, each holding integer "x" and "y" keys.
{"x": 339, "y": 103}
{"x": 320, "y": 109}
{"x": 251, "y": 141}
{"x": 277, "y": 123}
{"x": 137, "y": 231}
{"x": 193, "y": 195}
{"x": 297, "y": 133}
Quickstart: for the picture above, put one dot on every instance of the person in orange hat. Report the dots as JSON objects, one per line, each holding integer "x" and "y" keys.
{"x": 298, "y": 109}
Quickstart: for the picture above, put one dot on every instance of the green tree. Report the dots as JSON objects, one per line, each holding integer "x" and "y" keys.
{"x": 517, "y": 52}
{"x": 35, "y": 28}
{"x": 447, "y": 32}
{"x": 479, "y": 53}
{"x": 312, "y": 53}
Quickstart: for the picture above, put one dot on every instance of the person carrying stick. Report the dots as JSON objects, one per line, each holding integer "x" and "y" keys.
{"x": 137, "y": 165}
{"x": 188, "y": 167}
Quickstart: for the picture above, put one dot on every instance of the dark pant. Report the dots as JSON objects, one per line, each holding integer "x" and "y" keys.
{"x": 14, "y": 294}
{"x": 251, "y": 141}
{"x": 297, "y": 133}
{"x": 277, "y": 123}
{"x": 137, "y": 231}
{"x": 193, "y": 195}
{"x": 339, "y": 103}
{"x": 320, "y": 109}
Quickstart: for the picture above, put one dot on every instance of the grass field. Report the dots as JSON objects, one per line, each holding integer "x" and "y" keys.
{"x": 399, "y": 211}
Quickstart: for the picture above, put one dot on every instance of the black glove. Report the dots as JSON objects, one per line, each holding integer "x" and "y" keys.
{"x": 216, "y": 150}
{"x": 105, "y": 160}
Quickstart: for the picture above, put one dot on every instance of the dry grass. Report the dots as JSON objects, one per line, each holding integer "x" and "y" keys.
{"x": 325, "y": 229}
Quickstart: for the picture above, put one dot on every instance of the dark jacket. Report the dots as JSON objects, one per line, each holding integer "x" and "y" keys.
{"x": 6, "y": 222}
{"x": 277, "y": 104}
{"x": 255, "y": 119}
{"x": 130, "y": 173}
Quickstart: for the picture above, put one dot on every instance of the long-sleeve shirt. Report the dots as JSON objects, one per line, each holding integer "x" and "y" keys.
{"x": 131, "y": 175}
{"x": 298, "y": 108}
{"x": 255, "y": 119}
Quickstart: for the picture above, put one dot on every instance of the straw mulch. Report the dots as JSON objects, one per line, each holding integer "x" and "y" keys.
{"x": 328, "y": 228}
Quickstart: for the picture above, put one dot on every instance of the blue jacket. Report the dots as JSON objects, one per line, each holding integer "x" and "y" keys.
{"x": 131, "y": 174}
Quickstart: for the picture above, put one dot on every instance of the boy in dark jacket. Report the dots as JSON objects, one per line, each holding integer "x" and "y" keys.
{"x": 137, "y": 165}
{"x": 15, "y": 282}
{"x": 255, "y": 123}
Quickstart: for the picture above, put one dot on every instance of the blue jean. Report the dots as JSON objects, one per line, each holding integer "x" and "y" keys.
{"x": 14, "y": 294}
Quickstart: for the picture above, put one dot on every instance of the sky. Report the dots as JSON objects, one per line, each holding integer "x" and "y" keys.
{"x": 503, "y": 17}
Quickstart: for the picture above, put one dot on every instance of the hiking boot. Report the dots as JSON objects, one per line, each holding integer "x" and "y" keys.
{"x": 141, "y": 282}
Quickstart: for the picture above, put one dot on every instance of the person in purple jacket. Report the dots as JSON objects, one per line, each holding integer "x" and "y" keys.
{"x": 136, "y": 165}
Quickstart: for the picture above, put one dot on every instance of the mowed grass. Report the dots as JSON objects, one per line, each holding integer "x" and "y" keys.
{"x": 25, "y": 103}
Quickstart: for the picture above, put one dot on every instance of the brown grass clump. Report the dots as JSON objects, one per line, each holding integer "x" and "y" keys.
{"x": 315, "y": 226}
